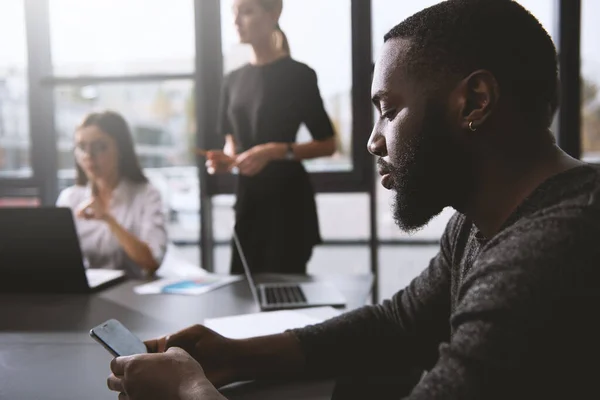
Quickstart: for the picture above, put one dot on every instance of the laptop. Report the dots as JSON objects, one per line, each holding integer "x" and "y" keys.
{"x": 286, "y": 295}
{"x": 40, "y": 253}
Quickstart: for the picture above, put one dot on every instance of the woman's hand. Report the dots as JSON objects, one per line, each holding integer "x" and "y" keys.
{"x": 94, "y": 209}
{"x": 218, "y": 162}
{"x": 253, "y": 161}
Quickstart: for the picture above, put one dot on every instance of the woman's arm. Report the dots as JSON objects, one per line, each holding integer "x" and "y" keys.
{"x": 302, "y": 151}
{"x": 149, "y": 248}
{"x": 138, "y": 251}
{"x": 314, "y": 149}
{"x": 253, "y": 161}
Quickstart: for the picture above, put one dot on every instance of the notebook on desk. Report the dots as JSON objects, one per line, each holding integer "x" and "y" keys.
{"x": 40, "y": 253}
{"x": 286, "y": 295}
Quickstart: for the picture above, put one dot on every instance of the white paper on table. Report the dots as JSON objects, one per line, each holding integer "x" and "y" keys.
{"x": 174, "y": 265}
{"x": 186, "y": 286}
{"x": 179, "y": 276}
{"x": 269, "y": 322}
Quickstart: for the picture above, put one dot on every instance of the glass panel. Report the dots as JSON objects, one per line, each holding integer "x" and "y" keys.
{"x": 161, "y": 117}
{"x": 399, "y": 265}
{"x": 325, "y": 259}
{"x": 340, "y": 260}
{"x": 309, "y": 25}
{"x": 115, "y": 37}
{"x": 14, "y": 115}
{"x": 343, "y": 216}
{"x": 386, "y": 14}
{"x": 223, "y": 217}
{"x": 590, "y": 70}
{"x": 222, "y": 259}
{"x": 544, "y": 11}
{"x": 389, "y": 13}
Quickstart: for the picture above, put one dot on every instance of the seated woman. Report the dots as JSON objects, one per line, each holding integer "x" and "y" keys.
{"x": 118, "y": 213}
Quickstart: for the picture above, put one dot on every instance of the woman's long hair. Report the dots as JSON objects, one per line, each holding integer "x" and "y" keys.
{"x": 115, "y": 126}
{"x": 281, "y": 38}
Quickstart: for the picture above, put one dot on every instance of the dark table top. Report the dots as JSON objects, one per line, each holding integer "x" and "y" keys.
{"x": 46, "y": 352}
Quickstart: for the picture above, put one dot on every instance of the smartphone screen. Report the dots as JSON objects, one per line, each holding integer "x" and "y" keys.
{"x": 117, "y": 339}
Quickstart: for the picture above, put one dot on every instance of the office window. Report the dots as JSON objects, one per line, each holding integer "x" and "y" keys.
{"x": 14, "y": 116}
{"x": 116, "y": 37}
{"x": 386, "y": 14}
{"x": 319, "y": 33}
{"x": 545, "y": 12}
{"x": 341, "y": 216}
{"x": 325, "y": 260}
{"x": 399, "y": 265}
{"x": 590, "y": 74}
{"x": 161, "y": 118}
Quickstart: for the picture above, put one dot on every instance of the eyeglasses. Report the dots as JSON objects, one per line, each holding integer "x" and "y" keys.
{"x": 92, "y": 149}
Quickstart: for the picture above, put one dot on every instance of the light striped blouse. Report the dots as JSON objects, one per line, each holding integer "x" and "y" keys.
{"x": 137, "y": 207}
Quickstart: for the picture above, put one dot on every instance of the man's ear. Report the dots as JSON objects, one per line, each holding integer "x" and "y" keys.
{"x": 477, "y": 97}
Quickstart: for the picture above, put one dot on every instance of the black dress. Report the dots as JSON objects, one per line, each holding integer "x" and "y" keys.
{"x": 276, "y": 215}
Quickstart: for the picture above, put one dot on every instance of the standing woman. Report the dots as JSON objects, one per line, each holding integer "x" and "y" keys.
{"x": 262, "y": 107}
{"x": 118, "y": 213}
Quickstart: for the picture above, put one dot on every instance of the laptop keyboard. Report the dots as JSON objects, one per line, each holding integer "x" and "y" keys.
{"x": 284, "y": 295}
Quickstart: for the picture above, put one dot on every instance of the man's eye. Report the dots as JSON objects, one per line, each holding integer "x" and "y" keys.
{"x": 389, "y": 114}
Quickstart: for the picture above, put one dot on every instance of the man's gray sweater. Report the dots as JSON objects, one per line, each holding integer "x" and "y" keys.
{"x": 515, "y": 316}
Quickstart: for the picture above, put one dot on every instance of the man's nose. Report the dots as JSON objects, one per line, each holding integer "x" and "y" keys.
{"x": 376, "y": 144}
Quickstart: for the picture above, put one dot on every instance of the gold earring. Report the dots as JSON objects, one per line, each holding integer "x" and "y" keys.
{"x": 278, "y": 39}
{"x": 471, "y": 127}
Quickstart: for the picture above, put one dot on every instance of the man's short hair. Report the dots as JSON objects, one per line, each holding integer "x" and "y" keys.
{"x": 457, "y": 37}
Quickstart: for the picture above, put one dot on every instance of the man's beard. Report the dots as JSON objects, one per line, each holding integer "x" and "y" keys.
{"x": 430, "y": 173}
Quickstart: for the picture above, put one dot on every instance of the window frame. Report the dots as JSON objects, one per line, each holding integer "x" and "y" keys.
{"x": 37, "y": 53}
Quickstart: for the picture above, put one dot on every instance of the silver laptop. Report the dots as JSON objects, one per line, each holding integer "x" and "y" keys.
{"x": 40, "y": 253}
{"x": 286, "y": 295}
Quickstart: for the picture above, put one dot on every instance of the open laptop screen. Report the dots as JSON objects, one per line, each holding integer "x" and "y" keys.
{"x": 247, "y": 271}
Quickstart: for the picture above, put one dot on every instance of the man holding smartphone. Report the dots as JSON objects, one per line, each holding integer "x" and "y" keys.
{"x": 175, "y": 375}
{"x": 466, "y": 91}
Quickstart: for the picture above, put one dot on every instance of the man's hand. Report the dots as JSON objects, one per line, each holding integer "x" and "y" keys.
{"x": 173, "y": 375}
{"x": 216, "y": 353}
{"x": 229, "y": 360}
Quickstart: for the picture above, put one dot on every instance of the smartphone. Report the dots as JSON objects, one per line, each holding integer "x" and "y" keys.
{"x": 117, "y": 339}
